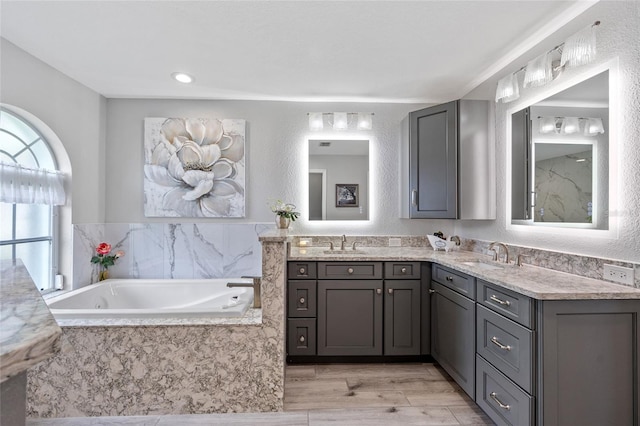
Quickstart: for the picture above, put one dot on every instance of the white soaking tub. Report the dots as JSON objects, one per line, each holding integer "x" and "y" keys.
{"x": 154, "y": 298}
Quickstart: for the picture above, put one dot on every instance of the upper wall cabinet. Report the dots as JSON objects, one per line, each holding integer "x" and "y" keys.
{"x": 448, "y": 162}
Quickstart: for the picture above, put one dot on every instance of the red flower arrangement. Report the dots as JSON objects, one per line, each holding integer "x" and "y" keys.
{"x": 104, "y": 259}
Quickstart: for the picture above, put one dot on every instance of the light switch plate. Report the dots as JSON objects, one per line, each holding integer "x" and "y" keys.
{"x": 618, "y": 274}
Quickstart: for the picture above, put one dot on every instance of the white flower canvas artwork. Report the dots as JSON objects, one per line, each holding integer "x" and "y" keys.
{"x": 194, "y": 167}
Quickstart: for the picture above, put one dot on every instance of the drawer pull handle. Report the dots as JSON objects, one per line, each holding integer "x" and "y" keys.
{"x": 500, "y": 404}
{"x": 403, "y": 270}
{"x": 302, "y": 271}
{"x": 302, "y": 300}
{"x": 448, "y": 278}
{"x": 496, "y": 342}
{"x": 301, "y": 339}
{"x": 390, "y": 291}
{"x": 431, "y": 291}
{"x": 378, "y": 291}
{"x": 500, "y": 301}
{"x": 350, "y": 271}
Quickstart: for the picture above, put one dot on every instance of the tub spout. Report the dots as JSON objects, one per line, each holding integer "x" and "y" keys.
{"x": 257, "y": 299}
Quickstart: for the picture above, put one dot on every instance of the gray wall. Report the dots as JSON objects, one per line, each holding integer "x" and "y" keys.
{"x": 618, "y": 37}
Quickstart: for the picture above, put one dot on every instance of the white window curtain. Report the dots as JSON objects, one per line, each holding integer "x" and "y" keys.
{"x": 31, "y": 186}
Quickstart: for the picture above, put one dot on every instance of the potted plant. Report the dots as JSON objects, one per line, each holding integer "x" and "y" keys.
{"x": 285, "y": 213}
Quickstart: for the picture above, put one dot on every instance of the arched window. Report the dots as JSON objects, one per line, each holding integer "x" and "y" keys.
{"x": 31, "y": 190}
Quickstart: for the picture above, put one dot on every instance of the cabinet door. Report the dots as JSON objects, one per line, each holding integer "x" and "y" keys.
{"x": 453, "y": 335}
{"x": 350, "y": 317}
{"x": 402, "y": 317}
{"x": 433, "y": 145}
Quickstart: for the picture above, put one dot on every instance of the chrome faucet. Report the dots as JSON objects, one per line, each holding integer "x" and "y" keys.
{"x": 257, "y": 299}
{"x": 496, "y": 252}
{"x": 343, "y": 242}
{"x": 456, "y": 239}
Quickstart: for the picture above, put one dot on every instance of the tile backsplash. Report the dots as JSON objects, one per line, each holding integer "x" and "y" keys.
{"x": 170, "y": 250}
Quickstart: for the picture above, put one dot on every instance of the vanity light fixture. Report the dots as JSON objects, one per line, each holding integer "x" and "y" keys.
{"x": 183, "y": 77}
{"x": 316, "y": 122}
{"x": 570, "y": 125}
{"x": 340, "y": 120}
{"x": 538, "y": 72}
{"x": 593, "y": 126}
{"x": 365, "y": 121}
{"x": 578, "y": 49}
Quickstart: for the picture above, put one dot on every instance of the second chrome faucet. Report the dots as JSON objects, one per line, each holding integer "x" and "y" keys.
{"x": 496, "y": 253}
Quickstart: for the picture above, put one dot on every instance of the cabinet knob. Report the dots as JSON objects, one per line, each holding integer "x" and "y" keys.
{"x": 302, "y": 300}
{"x": 301, "y": 339}
{"x": 302, "y": 271}
{"x": 378, "y": 291}
{"x": 448, "y": 278}
{"x": 390, "y": 291}
{"x": 403, "y": 270}
{"x": 431, "y": 291}
{"x": 350, "y": 271}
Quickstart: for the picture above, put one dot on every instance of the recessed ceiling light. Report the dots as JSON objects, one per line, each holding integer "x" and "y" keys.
{"x": 182, "y": 77}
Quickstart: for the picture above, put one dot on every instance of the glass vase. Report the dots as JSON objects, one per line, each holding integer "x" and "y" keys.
{"x": 103, "y": 274}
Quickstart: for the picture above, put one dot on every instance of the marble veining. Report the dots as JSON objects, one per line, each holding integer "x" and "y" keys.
{"x": 153, "y": 369}
{"x": 170, "y": 250}
{"x": 28, "y": 332}
{"x": 539, "y": 283}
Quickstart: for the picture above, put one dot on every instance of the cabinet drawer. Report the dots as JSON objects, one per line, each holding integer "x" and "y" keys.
{"x": 302, "y": 270}
{"x": 512, "y": 305}
{"x": 301, "y": 298}
{"x": 350, "y": 270}
{"x": 402, "y": 270}
{"x": 506, "y": 345}
{"x": 500, "y": 398}
{"x": 301, "y": 336}
{"x": 462, "y": 283}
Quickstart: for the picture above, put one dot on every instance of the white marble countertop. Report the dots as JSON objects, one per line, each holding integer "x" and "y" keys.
{"x": 28, "y": 331}
{"x": 538, "y": 283}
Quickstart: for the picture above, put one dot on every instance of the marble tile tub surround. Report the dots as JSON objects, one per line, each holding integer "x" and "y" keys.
{"x": 170, "y": 250}
{"x": 155, "y": 370}
{"x": 584, "y": 266}
{"x": 28, "y": 331}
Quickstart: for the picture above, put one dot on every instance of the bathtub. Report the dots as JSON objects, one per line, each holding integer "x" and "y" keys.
{"x": 154, "y": 298}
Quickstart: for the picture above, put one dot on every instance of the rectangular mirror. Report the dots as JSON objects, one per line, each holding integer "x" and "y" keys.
{"x": 338, "y": 179}
{"x": 560, "y": 158}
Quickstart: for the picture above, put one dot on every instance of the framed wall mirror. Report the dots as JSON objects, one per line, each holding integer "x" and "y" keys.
{"x": 338, "y": 179}
{"x": 560, "y": 158}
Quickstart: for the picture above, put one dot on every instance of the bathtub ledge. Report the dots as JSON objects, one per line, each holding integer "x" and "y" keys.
{"x": 252, "y": 317}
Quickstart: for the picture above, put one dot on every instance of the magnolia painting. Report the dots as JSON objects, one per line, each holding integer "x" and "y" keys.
{"x": 194, "y": 167}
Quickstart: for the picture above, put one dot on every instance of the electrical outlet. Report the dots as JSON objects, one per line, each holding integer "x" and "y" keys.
{"x": 395, "y": 242}
{"x": 618, "y": 274}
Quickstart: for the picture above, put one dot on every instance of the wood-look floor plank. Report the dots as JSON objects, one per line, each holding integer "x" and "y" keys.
{"x": 373, "y": 370}
{"x": 430, "y": 416}
{"x": 402, "y": 384}
{"x": 238, "y": 419}
{"x": 470, "y": 415}
{"x": 314, "y": 387}
{"x": 349, "y": 399}
{"x": 439, "y": 399}
{"x": 300, "y": 371}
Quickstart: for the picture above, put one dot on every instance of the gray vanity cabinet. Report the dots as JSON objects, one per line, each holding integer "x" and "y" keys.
{"x": 453, "y": 319}
{"x": 402, "y": 317}
{"x": 350, "y": 317}
{"x": 447, "y": 170}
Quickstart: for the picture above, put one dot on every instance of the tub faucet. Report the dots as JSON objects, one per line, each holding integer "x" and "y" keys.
{"x": 257, "y": 299}
{"x": 496, "y": 252}
{"x": 343, "y": 242}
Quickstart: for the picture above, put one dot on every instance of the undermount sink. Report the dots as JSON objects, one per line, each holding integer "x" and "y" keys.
{"x": 345, "y": 251}
{"x": 482, "y": 265}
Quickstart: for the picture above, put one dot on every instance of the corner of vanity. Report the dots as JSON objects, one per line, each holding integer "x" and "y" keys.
{"x": 29, "y": 335}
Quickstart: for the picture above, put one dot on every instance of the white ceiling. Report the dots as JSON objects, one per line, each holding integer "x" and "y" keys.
{"x": 374, "y": 51}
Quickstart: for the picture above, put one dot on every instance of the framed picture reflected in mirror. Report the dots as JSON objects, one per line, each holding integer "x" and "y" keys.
{"x": 347, "y": 195}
